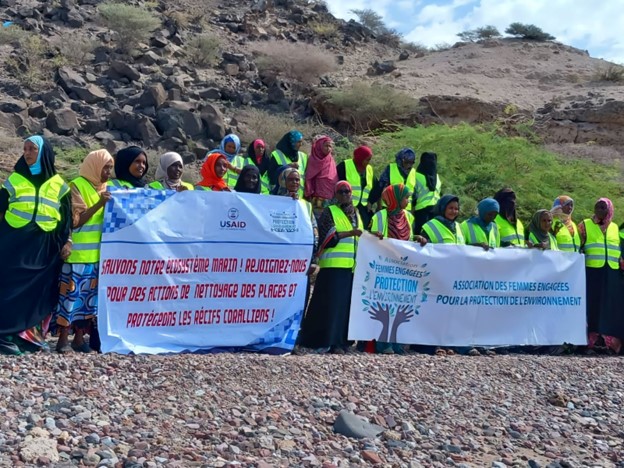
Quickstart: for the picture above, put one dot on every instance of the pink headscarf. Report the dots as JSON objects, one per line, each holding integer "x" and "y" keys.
{"x": 321, "y": 175}
{"x": 607, "y": 219}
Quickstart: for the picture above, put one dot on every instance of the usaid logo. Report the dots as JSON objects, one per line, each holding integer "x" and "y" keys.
{"x": 233, "y": 223}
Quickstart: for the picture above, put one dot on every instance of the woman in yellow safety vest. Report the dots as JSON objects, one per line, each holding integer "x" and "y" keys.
{"x": 249, "y": 180}
{"x": 510, "y": 228}
{"x": 77, "y": 306}
{"x": 35, "y": 225}
{"x": 427, "y": 191}
{"x": 213, "y": 174}
{"x": 400, "y": 172}
{"x": 327, "y": 320}
{"x": 443, "y": 229}
{"x": 539, "y": 236}
{"x": 563, "y": 228}
{"x": 257, "y": 153}
{"x": 130, "y": 168}
{"x": 169, "y": 173}
{"x": 600, "y": 242}
{"x": 287, "y": 153}
{"x": 359, "y": 172}
{"x": 481, "y": 230}
{"x": 230, "y": 147}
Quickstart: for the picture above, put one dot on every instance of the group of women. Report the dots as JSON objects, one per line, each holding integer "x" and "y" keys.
{"x": 51, "y": 231}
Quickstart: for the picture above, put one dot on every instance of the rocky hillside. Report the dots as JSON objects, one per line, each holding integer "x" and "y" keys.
{"x": 202, "y": 71}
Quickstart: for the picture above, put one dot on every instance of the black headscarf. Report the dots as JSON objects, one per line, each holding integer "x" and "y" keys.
{"x": 535, "y": 227}
{"x": 263, "y": 165}
{"x": 287, "y": 145}
{"x": 124, "y": 159}
{"x": 46, "y": 159}
{"x": 428, "y": 167}
{"x": 505, "y": 198}
{"x": 240, "y": 183}
{"x": 441, "y": 208}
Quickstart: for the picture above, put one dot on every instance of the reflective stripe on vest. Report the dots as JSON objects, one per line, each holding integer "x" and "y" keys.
{"x": 553, "y": 241}
{"x": 359, "y": 196}
{"x": 201, "y": 187}
{"x": 439, "y": 234}
{"x": 424, "y": 196}
{"x": 600, "y": 248}
{"x": 238, "y": 162}
{"x": 26, "y": 205}
{"x": 119, "y": 183}
{"x": 508, "y": 233}
{"x": 343, "y": 254}
{"x": 379, "y": 222}
{"x": 566, "y": 241}
{"x": 282, "y": 160}
{"x": 158, "y": 185}
{"x": 86, "y": 239}
{"x": 409, "y": 182}
{"x": 474, "y": 234}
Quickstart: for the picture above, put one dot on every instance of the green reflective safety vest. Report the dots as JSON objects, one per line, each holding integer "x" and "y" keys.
{"x": 424, "y": 196}
{"x": 343, "y": 255}
{"x": 282, "y": 160}
{"x": 27, "y": 204}
{"x": 201, "y": 187}
{"x": 601, "y": 248}
{"x": 158, "y": 185}
{"x": 358, "y": 195}
{"x": 379, "y": 222}
{"x": 553, "y": 241}
{"x": 474, "y": 234}
{"x": 86, "y": 239}
{"x": 239, "y": 161}
{"x": 566, "y": 241}
{"x": 438, "y": 233}
{"x": 397, "y": 178}
{"x": 509, "y": 233}
{"x": 119, "y": 183}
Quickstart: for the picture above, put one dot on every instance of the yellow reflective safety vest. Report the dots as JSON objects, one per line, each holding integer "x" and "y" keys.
{"x": 358, "y": 195}
{"x": 201, "y": 187}
{"x": 27, "y": 204}
{"x": 438, "y": 233}
{"x": 510, "y": 233}
{"x": 282, "y": 160}
{"x": 239, "y": 161}
{"x": 343, "y": 254}
{"x": 601, "y": 248}
{"x": 553, "y": 241}
{"x": 474, "y": 234}
{"x": 566, "y": 241}
{"x": 158, "y": 185}
{"x": 424, "y": 196}
{"x": 119, "y": 183}
{"x": 379, "y": 222}
{"x": 397, "y": 178}
{"x": 86, "y": 239}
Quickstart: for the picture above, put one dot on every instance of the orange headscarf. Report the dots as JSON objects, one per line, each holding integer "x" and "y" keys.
{"x": 209, "y": 176}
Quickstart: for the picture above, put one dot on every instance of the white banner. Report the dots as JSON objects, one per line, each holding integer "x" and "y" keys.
{"x": 198, "y": 270}
{"x": 450, "y": 295}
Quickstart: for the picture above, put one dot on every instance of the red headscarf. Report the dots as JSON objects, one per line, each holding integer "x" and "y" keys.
{"x": 361, "y": 154}
{"x": 321, "y": 174}
{"x": 209, "y": 176}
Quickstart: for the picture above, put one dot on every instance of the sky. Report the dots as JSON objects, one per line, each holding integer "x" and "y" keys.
{"x": 595, "y": 26}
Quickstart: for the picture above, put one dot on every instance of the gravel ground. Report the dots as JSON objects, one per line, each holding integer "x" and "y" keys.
{"x": 251, "y": 410}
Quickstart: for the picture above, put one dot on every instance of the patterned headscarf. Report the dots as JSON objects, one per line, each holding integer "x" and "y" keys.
{"x": 557, "y": 211}
{"x": 393, "y": 195}
{"x": 91, "y": 168}
{"x": 280, "y": 188}
{"x": 287, "y": 144}
{"x": 610, "y": 210}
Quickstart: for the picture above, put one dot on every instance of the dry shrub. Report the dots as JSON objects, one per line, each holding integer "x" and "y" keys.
{"x": 325, "y": 29}
{"x": 75, "y": 49}
{"x": 203, "y": 50}
{"x": 371, "y": 105}
{"x": 30, "y": 65}
{"x": 12, "y": 35}
{"x": 415, "y": 48}
{"x": 613, "y": 73}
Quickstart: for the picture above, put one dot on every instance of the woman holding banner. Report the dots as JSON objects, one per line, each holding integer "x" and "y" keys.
{"x": 539, "y": 231}
{"x": 77, "y": 306}
{"x": 326, "y": 324}
{"x": 249, "y": 180}
{"x": 510, "y": 227}
{"x": 130, "y": 168}
{"x": 444, "y": 229}
{"x": 169, "y": 173}
{"x": 600, "y": 241}
{"x": 213, "y": 172}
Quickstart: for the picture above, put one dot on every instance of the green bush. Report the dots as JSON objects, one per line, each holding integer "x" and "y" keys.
{"x": 132, "y": 24}
{"x": 374, "y": 21}
{"x": 324, "y": 29}
{"x": 12, "y": 34}
{"x": 370, "y": 105}
{"x": 528, "y": 31}
{"x": 204, "y": 50}
{"x": 475, "y": 162}
{"x": 474, "y": 35}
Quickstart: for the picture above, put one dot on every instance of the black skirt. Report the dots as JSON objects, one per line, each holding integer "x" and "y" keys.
{"x": 327, "y": 320}
{"x": 605, "y": 305}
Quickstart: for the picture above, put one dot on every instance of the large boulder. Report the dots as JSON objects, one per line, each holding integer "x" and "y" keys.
{"x": 119, "y": 69}
{"x": 138, "y": 127}
{"x": 90, "y": 93}
{"x": 175, "y": 116}
{"x": 213, "y": 120}
{"x": 350, "y": 425}
{"x": 70, "y": 79}
{"x": 153, "y": 96}
{"x": 62, "y": 122}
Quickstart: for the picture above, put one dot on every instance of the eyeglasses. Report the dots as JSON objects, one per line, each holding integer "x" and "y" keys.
{"x": 343, "y": 192}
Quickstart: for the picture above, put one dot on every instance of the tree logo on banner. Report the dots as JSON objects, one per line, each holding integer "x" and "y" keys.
{"x": 392, "y": 292}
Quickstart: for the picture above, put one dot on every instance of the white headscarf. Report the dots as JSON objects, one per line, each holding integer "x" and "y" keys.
{"x": 167, "y": 160}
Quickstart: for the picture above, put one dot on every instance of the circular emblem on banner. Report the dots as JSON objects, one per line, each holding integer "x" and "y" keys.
{"x": 233, "y": 213}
